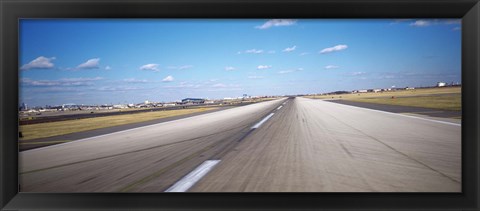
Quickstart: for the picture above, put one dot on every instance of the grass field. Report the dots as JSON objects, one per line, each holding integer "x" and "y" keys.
{"x": 49, "y": 129}
{"x": 446, "y": 98}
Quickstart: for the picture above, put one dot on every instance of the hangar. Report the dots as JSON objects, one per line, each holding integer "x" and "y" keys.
{"x": 193, "y": 100}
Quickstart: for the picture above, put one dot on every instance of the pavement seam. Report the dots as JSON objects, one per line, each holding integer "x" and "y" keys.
{"x": 124, "y": 153}
{"x": 163, "y": 170}
{"x": 146, "y": 126}
{"x": 228, "y": 147}
{"x": 390, "y": 147}
{"x": 154, "y": 175}
{"x": 398, "y": 114}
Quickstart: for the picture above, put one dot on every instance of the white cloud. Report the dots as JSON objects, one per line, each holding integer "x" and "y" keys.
{"x": 431, "y": 22}
{"x": 224, "y": 87}
{"x": 289, "y": 49}
{"x": 60, "y": 82}
{"x": 263, "y": 67}
{"x": 229, "y": 68}
{"x": 389, "y": 76}
{"x": 168, "y": 79}
{"x": 334, "y": 48}
{"x": 453, "y": 21}
{"x": 290, "y": 71}
{"x": 254, "y": 51}
{"x": 39, "y": 63}
{"x": 255, "y": 77}
{"x": 90, "y": 64}
{"x": 151, "y": 67}
{"x": 276, "y": 22}
{"x": 183, "y": 67}
{"x": 185, "y": 85}
{"x": 219, "y": 85}
{"x": 328, "y": 67}
{"x": 421, "y": 23}
{"x": 81, "y": 79}
{"x": 134, "y": 80}
{"x": 118, "y": 88}
{"x": 357, "y": 73}
{"x": 304, "y": 53}
{"x": 108, "y": 68}
{"x": 395, "y": 21}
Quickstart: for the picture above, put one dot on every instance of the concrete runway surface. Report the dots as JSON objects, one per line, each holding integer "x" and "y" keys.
{"x": 285, "y": 145}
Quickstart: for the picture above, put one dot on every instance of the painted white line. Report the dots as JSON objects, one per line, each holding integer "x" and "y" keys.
{"x": 279, "y": 107}
{"x": 132, "y": 129}
{"x": 263, "y": 121}
{"x": 193, "y": 177}
{"x": 408, "y": 116}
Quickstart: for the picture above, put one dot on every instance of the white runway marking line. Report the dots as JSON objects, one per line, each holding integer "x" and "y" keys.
{"x": 193, "y": 177}
{"x": 279, "y": 107}
{"x": 123, "y": 131}
{"x": 413, "y": 117}
{"x": 263, "y": 121}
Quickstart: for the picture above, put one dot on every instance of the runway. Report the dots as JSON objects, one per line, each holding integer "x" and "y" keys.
{"x": 285, "y": 145}
{"x": 42, "y": 142}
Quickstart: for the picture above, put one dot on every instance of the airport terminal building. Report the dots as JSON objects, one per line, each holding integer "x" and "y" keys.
{"x": 193, "y": 101}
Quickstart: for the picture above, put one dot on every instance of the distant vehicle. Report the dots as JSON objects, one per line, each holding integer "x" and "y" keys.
{"x": 441, "y": 84}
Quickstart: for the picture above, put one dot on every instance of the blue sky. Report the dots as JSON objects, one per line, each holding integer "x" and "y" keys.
{"x": 95, "y": 61}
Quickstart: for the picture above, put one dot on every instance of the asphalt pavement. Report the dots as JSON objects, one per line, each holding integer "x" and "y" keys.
{"x": 286, "y": 145}
{"x": 320, "y": 146}
{"x": 42, "y": 142}
{"x": 130, "y": 160}
{"x": 428, "y": 112}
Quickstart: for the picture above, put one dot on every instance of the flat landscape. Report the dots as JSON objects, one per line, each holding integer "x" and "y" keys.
{"x": 445, "y": 98}
{"x": 48, "y": 129}
{"x": 244, "y": 105}
{"x": 288, "y": 144}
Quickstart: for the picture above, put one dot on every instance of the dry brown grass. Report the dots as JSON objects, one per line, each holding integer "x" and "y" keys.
{"x": 444, "y": 102}
{"x": 446, "y": 98}
{"x": 49, "y": 129}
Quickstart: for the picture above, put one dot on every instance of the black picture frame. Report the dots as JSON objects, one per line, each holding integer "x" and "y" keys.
{"x": 12, "y": 10}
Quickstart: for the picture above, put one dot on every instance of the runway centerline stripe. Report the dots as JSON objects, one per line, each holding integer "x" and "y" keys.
{"x": 263, "y": 121}
{"x": 279, "y": 107}
{"x": 131, "y": 129}
{"x": 193, "y": 177}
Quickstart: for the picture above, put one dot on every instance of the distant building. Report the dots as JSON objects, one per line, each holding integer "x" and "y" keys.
{"x": 193, "y": 100}
{"x": 409, "y": 88}
{"x": 23, "y": 107}
{"x": 119, "y": 106}
{"x": 441, "y": 84}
